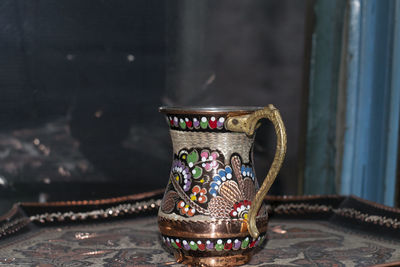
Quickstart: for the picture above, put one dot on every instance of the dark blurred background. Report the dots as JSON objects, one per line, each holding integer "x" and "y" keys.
{"x": 81, "y": 82}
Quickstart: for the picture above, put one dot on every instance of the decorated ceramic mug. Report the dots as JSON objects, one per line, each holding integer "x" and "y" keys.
{"x": 212, "y": 213}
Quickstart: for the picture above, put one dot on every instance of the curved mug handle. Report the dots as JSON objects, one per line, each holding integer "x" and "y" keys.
{"x": 248, "y": 124}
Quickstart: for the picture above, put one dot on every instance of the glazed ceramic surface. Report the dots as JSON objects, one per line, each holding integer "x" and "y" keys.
{"x": 211, "y": 213}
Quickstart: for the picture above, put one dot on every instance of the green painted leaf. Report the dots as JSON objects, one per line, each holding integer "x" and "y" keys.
{"x": 197, "y": 172}
{"x": 192, "y": 157}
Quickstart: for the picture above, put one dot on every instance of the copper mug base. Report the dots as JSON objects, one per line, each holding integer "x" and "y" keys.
{"x": 224, "y": 260}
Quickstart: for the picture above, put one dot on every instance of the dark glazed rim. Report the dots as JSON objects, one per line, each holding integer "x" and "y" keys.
{"x": 232, "y": 110}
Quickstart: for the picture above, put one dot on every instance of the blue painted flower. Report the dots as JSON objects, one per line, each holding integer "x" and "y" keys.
{"x": 247, "y": 172}
{"x": 222, "y": 176}
{"x": 225, "y": 174}
{"x": 214, "y": 186}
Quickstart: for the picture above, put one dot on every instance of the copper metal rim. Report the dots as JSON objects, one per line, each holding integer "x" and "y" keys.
{"x": 220, "y": 110}
{"x": 220, "y": 229}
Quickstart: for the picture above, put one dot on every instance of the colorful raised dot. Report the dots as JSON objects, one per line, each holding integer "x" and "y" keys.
{"x": 228, "y": 245}
{"x": 182, "y": 124}
{"x": 219, "y": 246}
{"x": 203, "y": 123}
{"x": 193, "y": 245}
{"x": 252, "y": 243}
{"x": 173, "y": 243}
{"x": 178, "y": 243}
{"x": 236, "y": 244}
{"x": 213, "y": 123}
{"x": 220, "y": 122}
{"x": 196, "y": 123}
{"x": 209, "y": 245}
{"x": 245, "y": 243}
{"x": 189, "y": 123}
{"x": 201, "y": 246}
{"x": 185, "y": 245}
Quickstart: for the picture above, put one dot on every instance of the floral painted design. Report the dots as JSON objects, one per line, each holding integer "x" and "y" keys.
{"x": 185, "y": 209}
{"x": 196, "y": 123}
{"x": 181, "y": 174}
{"x": 241, "y": 209}
{"x": 247, "y": 171}
{"x": 214, "y": 244}
{"x": 232, "y": 192}
{"x": 223, "y": 175}
{"x": 209, "y": 160}
{"x": 199, "y": 194}
{"x": 200, "y": 163}
{"x": 202, "y": 184}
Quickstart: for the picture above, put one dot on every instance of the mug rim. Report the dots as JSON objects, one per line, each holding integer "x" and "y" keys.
{"x": 208, "y": 109}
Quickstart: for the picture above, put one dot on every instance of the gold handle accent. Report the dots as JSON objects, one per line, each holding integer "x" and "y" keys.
{"x": 248, "y": 124}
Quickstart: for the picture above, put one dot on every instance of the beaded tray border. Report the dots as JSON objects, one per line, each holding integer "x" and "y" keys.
{"x": 352, "y": 212}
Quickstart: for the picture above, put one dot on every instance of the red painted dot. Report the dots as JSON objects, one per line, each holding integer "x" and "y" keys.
{"x": 213, "y": 124}
{"x": 228, "y": 246}
{"x": 201, "y": 246}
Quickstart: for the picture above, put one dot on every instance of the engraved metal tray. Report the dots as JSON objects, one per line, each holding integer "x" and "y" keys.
{"x": 303, "y": 231}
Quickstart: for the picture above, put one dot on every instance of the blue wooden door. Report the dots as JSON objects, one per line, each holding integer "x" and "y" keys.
{"x": 358, "y": 154}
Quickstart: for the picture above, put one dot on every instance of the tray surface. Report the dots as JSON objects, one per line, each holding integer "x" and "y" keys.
{"x": 303, "y": 231}
{"x": 135, "y": 242}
